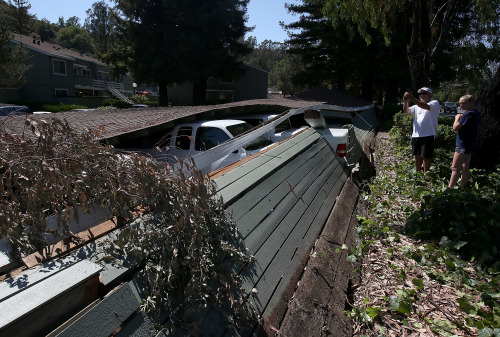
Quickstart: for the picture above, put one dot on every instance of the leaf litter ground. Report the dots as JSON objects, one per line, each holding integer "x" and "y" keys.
{"x": 409, "y": 288}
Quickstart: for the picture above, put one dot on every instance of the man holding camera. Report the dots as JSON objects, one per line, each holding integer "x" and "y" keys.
{"x": 425, "y": 119}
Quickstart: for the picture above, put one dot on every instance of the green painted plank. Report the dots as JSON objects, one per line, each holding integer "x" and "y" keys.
{"x": 230, "y": 193}
{"x": 229, "y": 177}
{"x": 305, "y": 246}
{"x": 268, "y": 194}
{"x": 106, "y": 316}
{"x": 298, "y": 196}
{"x": 269, "y": 240}
{"x": 139, "y": 326}
{"x": 246, "y": 202}
{"x": 280, "y": 263}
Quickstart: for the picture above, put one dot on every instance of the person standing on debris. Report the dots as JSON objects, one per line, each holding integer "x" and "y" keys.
{"x": 466, "y": 124}
{"x": 425, "y": 120}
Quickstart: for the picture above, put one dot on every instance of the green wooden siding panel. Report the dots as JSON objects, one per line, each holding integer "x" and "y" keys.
{"x": 339, "y": 178}
{"x": 251, "y": 209}
{"x": 271, "y": 234}
{"x": 276, "y": 256}
{"x": 283, "y": 204}
{"x": 106, "y": 316}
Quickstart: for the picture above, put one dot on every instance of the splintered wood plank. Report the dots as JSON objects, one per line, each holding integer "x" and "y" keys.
{"x": 62, "y": 247}
{"x": 37, "y": 296}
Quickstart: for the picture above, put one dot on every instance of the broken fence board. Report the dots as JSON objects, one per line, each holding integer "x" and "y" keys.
{"x": 106, "y": 316}
{"x": 46, "y": 301}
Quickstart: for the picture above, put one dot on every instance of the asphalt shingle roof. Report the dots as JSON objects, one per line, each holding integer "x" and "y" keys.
{"x": 118, "y": 122}
{"x": 52, "y": 49}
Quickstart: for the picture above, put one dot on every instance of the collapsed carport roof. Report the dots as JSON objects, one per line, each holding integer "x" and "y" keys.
{"x": 132, "y": 123}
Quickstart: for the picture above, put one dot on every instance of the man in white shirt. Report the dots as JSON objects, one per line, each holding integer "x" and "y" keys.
{"x": 425, "y": 120}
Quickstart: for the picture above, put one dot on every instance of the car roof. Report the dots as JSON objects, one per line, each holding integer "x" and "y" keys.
{"x": 212, "y": 123}
{"x": 7, "y": 109}
{"x": 268, "y": 116}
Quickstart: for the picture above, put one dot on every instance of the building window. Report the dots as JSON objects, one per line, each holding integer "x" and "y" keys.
{"x": 102, "y": 76}
{"x": 84, "y": 93}
{"x": 59, "y": 67}
{"x": 79, "y": 70}
{"x": 61, "y": 93}
{"x": 226, "y": 80}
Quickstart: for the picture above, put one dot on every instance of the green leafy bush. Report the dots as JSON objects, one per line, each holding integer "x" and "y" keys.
{"x": 465, "y": 220}
{"x": 116, "y": 103}
{"x": 61, "y": 107}
{"x": 403, "y": 128}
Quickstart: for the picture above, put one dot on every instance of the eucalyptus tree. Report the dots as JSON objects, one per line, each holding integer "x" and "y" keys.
{"x": 23, "y": 20}
{"x": 101, "y": 23}
{"x": 338, "y": 57}
{"x": 13, "y": 61}
{"x": 432, "y": 27}
{"x": 174, "y": 41}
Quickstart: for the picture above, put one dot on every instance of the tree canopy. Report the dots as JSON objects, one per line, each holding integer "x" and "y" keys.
{"x": 101, "y": 23}
{"x": 77, "y": 38}
{"x": 175, "y": 41}
{"x": 14, "y": 61}
{"x": 337, "y": 56}
{"x": 437, "y": 32}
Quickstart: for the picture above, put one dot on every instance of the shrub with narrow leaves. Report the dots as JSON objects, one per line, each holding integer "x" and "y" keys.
{"x": 189, "y": 251}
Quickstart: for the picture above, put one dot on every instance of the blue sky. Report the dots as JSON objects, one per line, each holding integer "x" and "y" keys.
{"x": 265, "y": 15}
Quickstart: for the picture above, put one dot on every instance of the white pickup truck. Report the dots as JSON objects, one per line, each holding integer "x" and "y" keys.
{"x": 194, "y": 138}
{"x": 336, "y": 134}
{"x": 287, "y": 128}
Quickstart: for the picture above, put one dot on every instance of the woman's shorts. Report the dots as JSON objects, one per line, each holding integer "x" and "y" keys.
{"x": 423, "y": 146}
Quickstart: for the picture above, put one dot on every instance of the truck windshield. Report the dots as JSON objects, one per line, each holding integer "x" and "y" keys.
{"x": 242, "y": 127}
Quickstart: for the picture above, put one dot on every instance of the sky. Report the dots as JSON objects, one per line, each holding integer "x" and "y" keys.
{"x": 265, "y": 15}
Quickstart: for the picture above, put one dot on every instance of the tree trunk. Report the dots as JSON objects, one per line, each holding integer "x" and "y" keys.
{"x": 419, "y": 48}
{"x": 199, "y": 90}
{"x": 163, "y": 100}
{"x": 488, "y": 150}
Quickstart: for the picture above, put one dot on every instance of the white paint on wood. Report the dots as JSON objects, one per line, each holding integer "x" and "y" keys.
{"x": 32, "y": 298}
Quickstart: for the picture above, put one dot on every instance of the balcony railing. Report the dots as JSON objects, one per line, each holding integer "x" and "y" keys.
{"x": 102, "y": 84}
